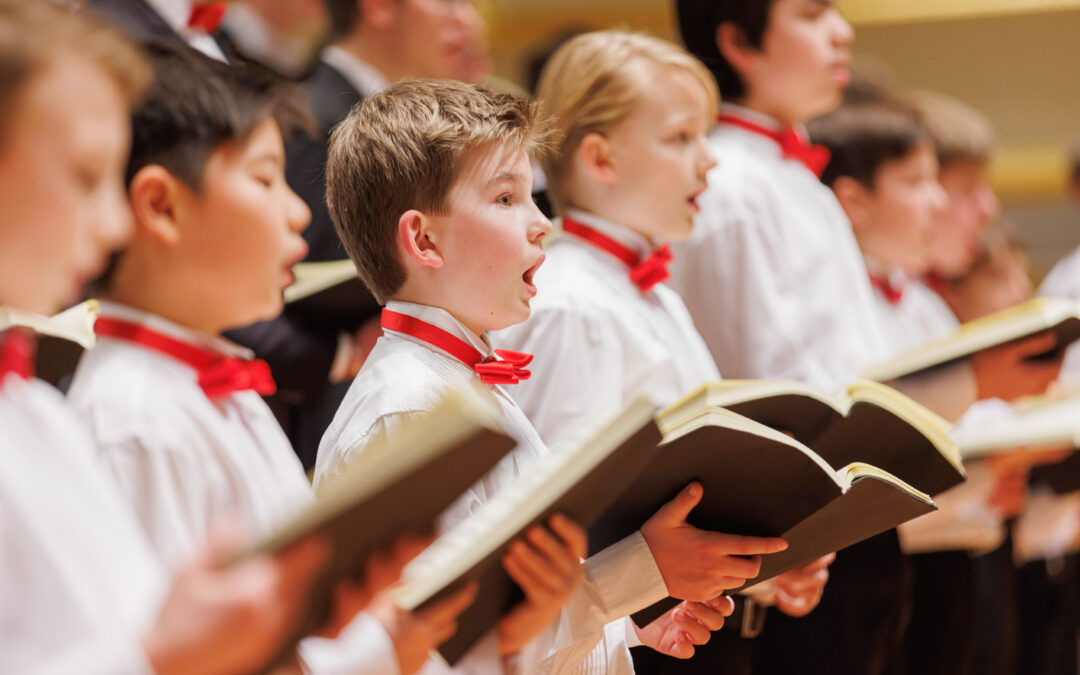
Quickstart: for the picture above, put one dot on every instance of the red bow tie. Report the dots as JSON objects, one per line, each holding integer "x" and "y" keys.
{"x": 219, "y": 375}
{"x": 644, "y": 273}
{"x": 16, "y": 353}
{"x": 894, "y": 293}
{"x": 207, "y": 16}
{"x": 508, "y": 368}
{"x": 792, "y": 144}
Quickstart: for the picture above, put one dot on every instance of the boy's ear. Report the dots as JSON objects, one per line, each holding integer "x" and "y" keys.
{"x": 852, "y": 196}
{"x": 153, "y": 193}
{"x": 735, "y": 47}
{"x": 596, "y": 159}
{"x": 418, "y": 239}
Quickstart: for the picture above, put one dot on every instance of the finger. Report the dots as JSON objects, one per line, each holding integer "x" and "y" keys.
{"x": 723, "y": 604}
{"x": 677, "y": 510}
{"x": 734, "y": 544}
{"x": 571, "y": 533}
{"x": 690, "y": 626}
{"x": 734, "y": 566}
{"x": 534, "y": 590}
{"x": 806, "y": 584}
{"x": 704, "y": 614}
{"x": 558, "y": 556}
{"x": 450, "y": 607}
{"x": 681, "y": 647}
{"x": 548, "y": 577}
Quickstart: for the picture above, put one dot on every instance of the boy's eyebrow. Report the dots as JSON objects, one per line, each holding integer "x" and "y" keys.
{"x": 507, "y": 176}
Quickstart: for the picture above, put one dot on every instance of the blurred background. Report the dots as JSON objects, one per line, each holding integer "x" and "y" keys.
{"x": 1018, "y": 61}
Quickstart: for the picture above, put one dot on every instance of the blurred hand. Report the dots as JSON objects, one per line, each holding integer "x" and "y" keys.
{"x": 218, "y": 621}
{"x": 416, "y": 634}
{"x": 799, "y": 591}
{"x": 1008, "y": 372}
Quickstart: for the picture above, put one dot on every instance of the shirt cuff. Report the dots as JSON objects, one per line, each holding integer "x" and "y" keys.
{"x": 625, "y": 577}
{"x": 362, "y": 648}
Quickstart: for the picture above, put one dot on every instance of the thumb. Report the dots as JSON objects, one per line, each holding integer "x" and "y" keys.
{"x": 676, "y": 511}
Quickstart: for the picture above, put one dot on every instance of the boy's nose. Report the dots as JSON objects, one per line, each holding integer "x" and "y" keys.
{"x": 299, "y": 213}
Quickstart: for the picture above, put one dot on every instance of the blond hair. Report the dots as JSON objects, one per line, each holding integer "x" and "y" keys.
{"x": 34, "y": 32}
{"x": 403, "y": 149}
{"x": 960, "y": 133}
{"x": 594, "y": 82}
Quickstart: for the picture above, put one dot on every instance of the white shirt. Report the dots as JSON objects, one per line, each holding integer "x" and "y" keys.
{"x": 183, "y": 461}
{"x": 78, "y": 581}
{"x": 772, "y": 274}
{"x": 598, "y": 341}
{"x": 404, "y": 377}
{"x": 357, "y": 72}
{"x": 176, "y": 13}
{"x": 917, "y": 318}
{"x": 1063, "y": 281}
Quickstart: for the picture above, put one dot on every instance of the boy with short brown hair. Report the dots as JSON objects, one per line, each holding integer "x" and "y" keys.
{"x": 442, "y": 170}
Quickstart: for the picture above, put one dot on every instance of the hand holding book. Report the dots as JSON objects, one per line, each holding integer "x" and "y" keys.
{"x": 686, "y": 626}
{"x": 1023, "y": 367}
{"x": 699, "y": 564}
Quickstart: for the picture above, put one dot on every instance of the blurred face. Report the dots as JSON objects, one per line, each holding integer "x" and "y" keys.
{"x": 62, "y": 197}
{"x": 240, "y": 235}
{"x": 900, "y": 212}
{"x": 435, "y": 37}
{"x": 971, "y": 206}
{"x": 999, "y": 281}
{"x": 490, "y": 240}
{"x": 661, "y": 157}
{"x": 802, "y": 67}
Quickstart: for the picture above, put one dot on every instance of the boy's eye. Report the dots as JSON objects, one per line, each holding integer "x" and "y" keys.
{"x": 505, "y": 199}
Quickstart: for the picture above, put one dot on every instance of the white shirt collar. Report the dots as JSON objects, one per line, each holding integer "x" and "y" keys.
{"x": 620, "y": 233}
{"x": 359, "y": 73}
{"x": 440, "y": 318}
{"x": 190, "y": 336}
{"x": 175, "y": 13}
{"x": 760, "y": 119}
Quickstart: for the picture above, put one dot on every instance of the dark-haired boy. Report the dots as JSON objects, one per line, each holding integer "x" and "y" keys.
{"x": 375, "y": 43}
{"x": 174, "y": 409}
{"x": 429, "y": 184}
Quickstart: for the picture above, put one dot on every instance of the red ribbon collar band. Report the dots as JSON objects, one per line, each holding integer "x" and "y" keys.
{"x": 508, "y": 368}
{"x": 792, "y": 144}
{"x": 207, "y": 16}
{"x": 894, "y": 293}
{"x": 644, "y": 273}
{"x": 219, "y": 375}
{"x": 17, "y": 348}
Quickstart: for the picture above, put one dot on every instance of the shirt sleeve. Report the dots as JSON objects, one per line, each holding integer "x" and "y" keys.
{"x": 742, "y": 283}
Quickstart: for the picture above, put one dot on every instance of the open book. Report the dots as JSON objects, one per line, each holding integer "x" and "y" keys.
{"x": 331, "y": 294}
{"x": 1034, "y": 316}
{"x": 579, "y": 480}
{"x": 394, "y": 488}
{"x": 759, "y": 481}
{"x": 1050, "y": 425}
{"x": 871, "y": 422}
{"x": 62, "y": 338}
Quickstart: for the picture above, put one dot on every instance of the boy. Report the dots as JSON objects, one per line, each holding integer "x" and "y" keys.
{"x": 175, "y": 409}
{"x": 82, "y": 590}
{"x": 429, "y": 187}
